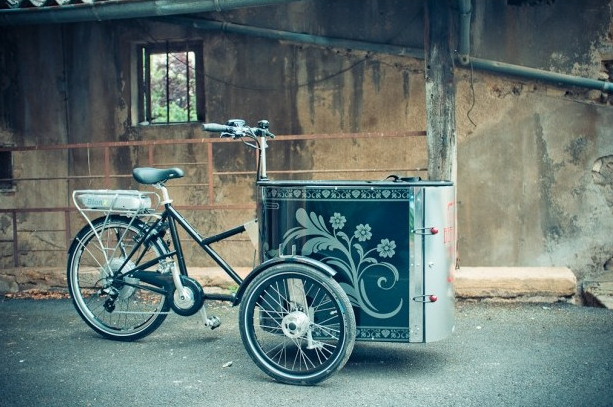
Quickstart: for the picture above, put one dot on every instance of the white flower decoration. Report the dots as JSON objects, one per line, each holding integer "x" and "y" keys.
{"x": 362, "y": 233}
{"x": 337, "y": 221}
{"x": 386, "y": 248}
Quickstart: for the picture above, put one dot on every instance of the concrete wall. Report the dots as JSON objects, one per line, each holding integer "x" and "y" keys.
{"x": 534, "y": 184}
{"x": 534, "y": 178}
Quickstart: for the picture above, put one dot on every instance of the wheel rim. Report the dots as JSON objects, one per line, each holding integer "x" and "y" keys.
{"x": 290, "y": 339}
{"x": 132, "y": 310}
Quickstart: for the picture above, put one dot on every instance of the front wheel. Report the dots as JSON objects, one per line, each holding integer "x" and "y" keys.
{"x": 297, "y": 324}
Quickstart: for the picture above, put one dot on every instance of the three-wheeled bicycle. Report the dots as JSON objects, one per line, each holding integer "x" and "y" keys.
{"x": 340, "y": 261}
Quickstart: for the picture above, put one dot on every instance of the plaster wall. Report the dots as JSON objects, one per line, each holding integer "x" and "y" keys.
{"x": 534, "y": 159}
{"x": 531, "y": 190}
{"x": 534, "y": 186}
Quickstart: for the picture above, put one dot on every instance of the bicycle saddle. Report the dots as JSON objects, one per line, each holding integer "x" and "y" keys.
{"x": 148, "y": 175}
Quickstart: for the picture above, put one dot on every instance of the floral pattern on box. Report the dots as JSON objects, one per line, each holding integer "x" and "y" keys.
{"x": 350, "y": 253}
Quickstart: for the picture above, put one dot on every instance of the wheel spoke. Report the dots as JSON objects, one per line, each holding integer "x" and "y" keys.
{"x": 111, "y": 307}
{"x": 293, "y": 324}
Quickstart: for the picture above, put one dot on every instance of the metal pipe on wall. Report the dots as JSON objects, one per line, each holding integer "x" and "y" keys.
{"x": 466, "y": 61}
{"x": 118, "y": 9}
{"x": 537, "y": 74}
{"x": 295, "y": 37}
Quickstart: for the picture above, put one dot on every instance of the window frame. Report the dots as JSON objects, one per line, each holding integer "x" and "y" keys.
{"x": 143, "y": 53}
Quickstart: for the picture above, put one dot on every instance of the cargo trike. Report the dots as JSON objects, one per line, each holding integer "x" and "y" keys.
{"x": 339, "y": 262}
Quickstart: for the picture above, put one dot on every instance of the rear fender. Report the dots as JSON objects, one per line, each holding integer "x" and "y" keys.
{"x": 323, "y": 268}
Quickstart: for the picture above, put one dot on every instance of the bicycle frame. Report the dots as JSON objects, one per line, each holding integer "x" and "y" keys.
{"x": 173, "y": 218}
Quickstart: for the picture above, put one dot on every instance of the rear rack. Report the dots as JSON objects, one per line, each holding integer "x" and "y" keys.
{"x": 98, "y": 203}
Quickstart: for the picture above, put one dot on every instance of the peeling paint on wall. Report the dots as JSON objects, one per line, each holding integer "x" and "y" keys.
{"x": 602, "y": 175}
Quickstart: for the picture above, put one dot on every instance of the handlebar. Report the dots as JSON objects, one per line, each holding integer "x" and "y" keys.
{"x": 216, "y": 128}
{"x": 236, "y": 129}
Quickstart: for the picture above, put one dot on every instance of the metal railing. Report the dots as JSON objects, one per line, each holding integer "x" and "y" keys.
{"x": 13, "y": 240}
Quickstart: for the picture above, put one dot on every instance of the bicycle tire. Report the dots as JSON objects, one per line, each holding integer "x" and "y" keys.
{"x": 293, "y": 343}
{"x": 134, "y": 312}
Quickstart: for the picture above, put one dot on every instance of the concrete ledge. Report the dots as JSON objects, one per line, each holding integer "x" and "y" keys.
{"x": 507, "y": 283}
{"x": 515, "y": 282}
{"x": 215, "y": 276}
{"x": 599, "y": 292}
{"x": 24, "y": 279}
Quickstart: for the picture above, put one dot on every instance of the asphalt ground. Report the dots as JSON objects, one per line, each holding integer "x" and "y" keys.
{"x": 500, "y": 355}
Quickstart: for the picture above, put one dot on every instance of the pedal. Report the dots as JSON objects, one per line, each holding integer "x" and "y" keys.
{"x": 213, "y": 322}
{"x": 210, "y": 321}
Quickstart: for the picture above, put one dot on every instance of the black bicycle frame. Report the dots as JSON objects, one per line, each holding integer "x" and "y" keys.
{"x": 173, "y": 217}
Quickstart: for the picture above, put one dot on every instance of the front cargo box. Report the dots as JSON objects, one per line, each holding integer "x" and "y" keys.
{"x": 391, "y": 243}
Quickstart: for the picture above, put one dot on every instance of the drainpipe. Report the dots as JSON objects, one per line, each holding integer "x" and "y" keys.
{"x": 465, "y": 8}
{"x": 538, "y": 74}
{"x": 295, "y": 37}
{"x": 463, "y": 52}
{"x": 466, "y": 61}
{"x": 119, "y": 9}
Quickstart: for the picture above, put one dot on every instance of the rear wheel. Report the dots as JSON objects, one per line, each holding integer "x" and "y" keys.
{"x": 297, "y": 324}
{"x": 117, "y": 308}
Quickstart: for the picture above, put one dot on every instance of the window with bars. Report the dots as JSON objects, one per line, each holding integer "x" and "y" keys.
{"x": 171, "y": 89}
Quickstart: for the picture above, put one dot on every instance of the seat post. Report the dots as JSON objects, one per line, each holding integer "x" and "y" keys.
{"x": 165, "y": 197}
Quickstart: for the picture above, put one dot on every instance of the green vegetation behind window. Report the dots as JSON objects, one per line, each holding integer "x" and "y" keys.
{"x": 169, "y": 93}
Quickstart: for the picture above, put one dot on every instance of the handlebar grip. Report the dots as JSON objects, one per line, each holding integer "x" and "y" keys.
{"x": 218, "y": 128}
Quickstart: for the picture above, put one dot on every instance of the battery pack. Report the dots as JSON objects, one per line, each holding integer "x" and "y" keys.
{"x": 123, "y": 200}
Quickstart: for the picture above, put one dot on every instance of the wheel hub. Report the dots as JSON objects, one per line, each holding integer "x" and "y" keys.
{"x": 184, "y": 301}
{"x": 189, "y": 300}
{"x": 295, "y": 324}
{"x": 110, "y": 269}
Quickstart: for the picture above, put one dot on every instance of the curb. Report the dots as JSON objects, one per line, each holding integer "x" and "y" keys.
{"x": 542, "y": 284}
{"x": 537, "y": 284}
